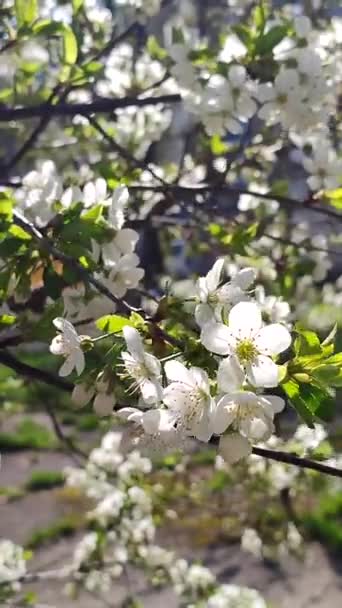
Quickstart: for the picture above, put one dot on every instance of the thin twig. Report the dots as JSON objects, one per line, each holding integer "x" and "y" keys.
{"x": 46, "y": 245}
{"x": 29, "y": 371}
{"x": 102, "y": 105}
{"x": 290, "y": 203}
{"x": 124, "y": 153}
{"x": 303, "y": 463}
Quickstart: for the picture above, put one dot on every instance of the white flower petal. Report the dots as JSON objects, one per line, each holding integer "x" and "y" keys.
{"x": 230, "y": 375}
{"x": 244, "y": 278}
{"x": 223, "y": 414}
{"x": 81, "y": 395}
{"x": 67, "y": 366}
{"x": 130, "y": 413}
{"x": 151, "y": 391}
{"x": 214, "y": 275}
{"x": 104, "y": 404}
{"x": 273, "y": 339}
{"x": 234, "y": 447}
{"x": 204, "y": 314}
{"x": 263, "y": 372}
{"x": 276, "y": 403}
{"x": 133, "y": 341}
{"x": 177, "y": 372}
{"x": 217, "y": 338}
{"x": 245, "y": 320}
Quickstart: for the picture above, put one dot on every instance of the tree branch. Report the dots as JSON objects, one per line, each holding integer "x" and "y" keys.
{"x": 290, "y": 203}
{"x": 29, "y": 371}
{"x": 303, "y": 463}
{"x": 102, "y": 105}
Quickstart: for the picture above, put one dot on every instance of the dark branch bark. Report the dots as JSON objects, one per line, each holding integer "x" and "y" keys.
{"x": 303, "y": 463}
{"x": 31, "y": 372}
{"x": 100, "y": 106}
{"x": 46, "y": 245}
{"x": 289, "y": 203}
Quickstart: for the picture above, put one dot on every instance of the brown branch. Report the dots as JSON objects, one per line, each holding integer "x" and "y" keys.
{"x": 286, "y": 201}
{"x": 102, "y": 105}
{"x": 303, "y": 463}
{"x": 121, "y": 151}
{"x": 31, "y": 372}
{"x": 46, "y": 245}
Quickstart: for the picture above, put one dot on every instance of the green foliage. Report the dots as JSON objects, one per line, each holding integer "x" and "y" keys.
{"x": 44, "y": 480}
{"x": 324, "y": 522}
{"x": 218, "y": 146}
{"x": 26, "y": 11}
{"x": 259, "y": 41}
{"x": 63, "y": 31}
{"x": 28, "y": 435}
{"x": 334, "y": 198}
{"x": 311, "y": 374}
{"x": 237, "y": 239}
{"x": 113, "y": 323}
{"x": 63, "y": 527}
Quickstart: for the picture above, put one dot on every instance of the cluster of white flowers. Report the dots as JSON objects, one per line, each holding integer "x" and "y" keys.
{"x": 43, "y": 188}
{"x": 12, "y": 564}
{"x": 222, "y": 103}
{"x": 192, "y": 404}
{"x": 124, "y": 533}
{"x": 302, "y": 96}
{"x": 230, "y": 405}
{"x": 232, "y": 596}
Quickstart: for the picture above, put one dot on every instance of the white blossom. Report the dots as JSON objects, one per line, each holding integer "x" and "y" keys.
{"x": 252, "y": 344}
{"x": 249, "y": 414}
{"x": 144, "y": 368}
{"x": 12, "y": 562}
{"x": 216, "y": 299}
{"x": 324, "y": 168}
{"x": 188, "y": 398}
{"x": 69, "y": 344}
{"x": 251, "y": 542}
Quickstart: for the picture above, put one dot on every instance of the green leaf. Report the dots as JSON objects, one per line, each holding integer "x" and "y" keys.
{"x": 94, "y": 214}
{"x": 259, "y": 17}
{"x": 26, "y": 11}
{"x": 154, "y": 48}
{"x": 57, "y": 28}
{"x": 292, "y": 390}
{"x": 244, "y": 34}
{"x": 326, "y": 373}
{"x": 77, "y": 5}
{"x": 19, "y": 233}
{"x": 266, "y": 43}
{"x": 112, "y": 323}
{"x": 69, "y": 45}
{"x": 6, "y": 205}
{"x": 6, "y": 320}
{"x": 218, "y": 146}
{"x": 334, "y": 197}
{"x": 307, "y": 343}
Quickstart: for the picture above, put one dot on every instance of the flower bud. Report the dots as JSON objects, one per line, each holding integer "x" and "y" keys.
{"x": 104, "y": 404}
{"x": 81, "y": 395}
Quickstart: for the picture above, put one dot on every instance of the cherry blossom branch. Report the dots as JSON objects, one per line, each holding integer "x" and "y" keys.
{"x": 288, "y": 202}
{"x": 46, "y": 245}
{"x": 44, "y": 376}
{"x": 303, "y": 463}
{"x": 101, "y": 105}
{"x": 125, "y": 153}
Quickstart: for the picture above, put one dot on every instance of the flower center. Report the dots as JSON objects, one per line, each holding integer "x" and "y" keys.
{"x": 246, "y": 351}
